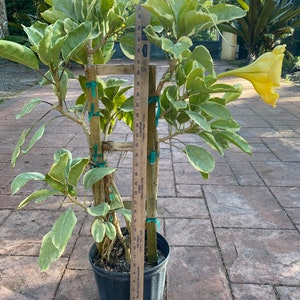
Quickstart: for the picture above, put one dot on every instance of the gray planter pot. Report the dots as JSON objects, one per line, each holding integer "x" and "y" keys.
{"x": 116, "y": 285}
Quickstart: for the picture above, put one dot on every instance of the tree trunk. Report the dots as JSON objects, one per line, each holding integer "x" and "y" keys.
{"x": 3, "y": 20}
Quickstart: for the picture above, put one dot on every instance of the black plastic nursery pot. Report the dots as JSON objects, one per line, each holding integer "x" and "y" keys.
{"x": 116, "y": 285}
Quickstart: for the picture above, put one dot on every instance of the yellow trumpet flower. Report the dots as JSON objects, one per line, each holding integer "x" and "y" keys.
{"x": 264, "y": 74}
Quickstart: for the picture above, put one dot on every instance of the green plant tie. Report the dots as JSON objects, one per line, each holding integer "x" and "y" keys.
{"x": 155, "y": 99}
{"x": 111, "y": 219}
{"x": 152, "y": 157}
{"x": 153, "y": 220}
{"x": 96, "y": 163}
{"x": 92, "y": 85}
{"x": 92, "y": 112}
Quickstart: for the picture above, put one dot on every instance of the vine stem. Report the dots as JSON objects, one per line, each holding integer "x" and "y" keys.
{"x": 173, "y": 135}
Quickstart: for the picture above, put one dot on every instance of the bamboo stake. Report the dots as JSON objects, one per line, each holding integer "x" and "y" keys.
{"x": 93, "y": 109}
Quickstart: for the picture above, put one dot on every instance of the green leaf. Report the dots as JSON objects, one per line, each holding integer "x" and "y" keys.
{"x": 212, "y": 142}
{"x": 59, "y": 169}
{"x": 223, "y": 88}
{"x": 100, "y": 210}
{"x": 232, "y": 96}
{"x": 58, "y": 37}
{"x": 186, "y": 14}
{"x": 94, "y": 175}
{"x": 28, "y": 107}
{"x": 127, "y": 44}
{"x": 243, "y": 4}
{"x": 177, "y": 49}
{"x": 180, "y": 76}
{"x": 78, "y": 108}
{"x": 228, "y": 125}
{"x": 115, "y": 21}
{"x": 60, "y": 152}
{"x": 202, "y": 56}
{"x": 172, "y": 96}
{"x": 52, "y": 15}
{"x": 194, "y": 20}
{"x": 110, "y": 230}
{"x": 76, "y": 39}
{"x": 56, "y": 185}
{"x": 37, "y": 135}
{"x": 66, "y": 7}
{"x": 237, "y": 140}
{"x": 81, "y": 100}
{"x": 98, "y": 229}
{"x": 126, "y": 213}
{"x": 128, "y": 119}
{"x": 18, "y": 146}
{"x": 77, "y": 169}
{"x": 199, "y": 120}
{"x": 63, "y": 228}
{"x": 226, "y": 12}
{"x": 45, "y": 47}
{"x": 200, "y": 159}
{"x": 152, "y": 36}
{"x": 37, "y": 196}
{"x": 105, "y": 7}
{"x": 169, "y": 113}
{"x": 162, "y": 11}
{"x": 48, "y": 252}
{"x": 182, "y": 118}
{"x": 127, "y": 106}
{"x": 63, "y": 85}
{"x": 79, "y": 10}
{"x": 35, "y": 32}
{"x": 47, "y": 79}
{"x": 19, "y": 54}
{"x": 115, "y": 199}
{"x": 216, "y": 110}
{"x": 20, "y": 180}
{"x": 195, "y": 82}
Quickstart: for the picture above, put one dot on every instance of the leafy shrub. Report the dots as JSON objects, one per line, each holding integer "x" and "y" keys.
{"x": 266, "y": 24}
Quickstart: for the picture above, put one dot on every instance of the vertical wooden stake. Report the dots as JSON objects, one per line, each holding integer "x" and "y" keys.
{"x": 95, "y": 141}
{"x": 152, "y": 171}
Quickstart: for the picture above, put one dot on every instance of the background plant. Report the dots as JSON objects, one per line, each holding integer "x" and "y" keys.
{"x": 23, "y": 13}
{"x": 266, "y": 24}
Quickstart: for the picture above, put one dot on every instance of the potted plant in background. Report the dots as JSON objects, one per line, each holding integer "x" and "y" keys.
{"x": 188, "y": 98}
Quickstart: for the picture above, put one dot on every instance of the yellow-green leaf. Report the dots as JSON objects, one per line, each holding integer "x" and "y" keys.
{"x": 98, "y": 229}
{"x": 19, "y": 54}
{"x": 200, "y": 158}
{"x": 20, "y": 180}
{"x": 63, "y": 228}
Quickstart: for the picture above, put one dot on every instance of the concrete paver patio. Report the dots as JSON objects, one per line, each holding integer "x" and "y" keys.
{"x": 234, "y": 236}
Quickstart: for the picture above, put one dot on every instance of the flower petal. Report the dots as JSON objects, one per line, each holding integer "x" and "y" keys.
{"x": 264, "y": 74}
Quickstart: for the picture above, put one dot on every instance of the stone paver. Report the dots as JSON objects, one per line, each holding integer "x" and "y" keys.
{"x": 232, "y": 237}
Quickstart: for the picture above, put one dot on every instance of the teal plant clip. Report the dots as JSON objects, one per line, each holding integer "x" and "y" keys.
{"x": 155, "y": 99}
{"x": 152, "y": 157}
{"x": 153, "y": 220}
{"x": 92, "y": 112}
{"x": 95, "y": 155}
{"x": 92, "y": 85}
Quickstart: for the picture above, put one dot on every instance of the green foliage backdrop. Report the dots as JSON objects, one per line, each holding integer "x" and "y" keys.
{"x": 22, "y": 12}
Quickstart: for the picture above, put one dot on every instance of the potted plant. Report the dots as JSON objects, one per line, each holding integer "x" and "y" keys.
{"x": 188, "y": 97}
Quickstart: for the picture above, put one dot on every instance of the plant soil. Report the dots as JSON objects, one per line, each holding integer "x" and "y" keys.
{"x": 117, "y": 262}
